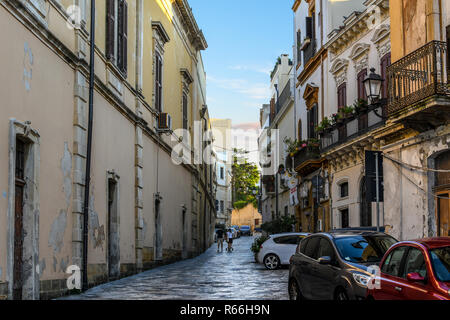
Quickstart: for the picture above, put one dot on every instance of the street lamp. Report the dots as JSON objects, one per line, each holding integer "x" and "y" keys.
{"x": 372, "y": 85}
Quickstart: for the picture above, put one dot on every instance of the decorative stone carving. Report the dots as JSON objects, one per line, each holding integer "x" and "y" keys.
{"x": 339, "y": 71}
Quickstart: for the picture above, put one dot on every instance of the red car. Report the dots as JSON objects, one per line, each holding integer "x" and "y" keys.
{"x": 414, "y": 270}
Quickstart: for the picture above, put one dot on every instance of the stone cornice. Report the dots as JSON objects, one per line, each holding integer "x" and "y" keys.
{"x": 356, "y": 25}
{"x": 194, "y": 33}
{"x": 296, "y": 5}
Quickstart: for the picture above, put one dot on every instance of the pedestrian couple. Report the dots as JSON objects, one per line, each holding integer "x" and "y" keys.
{"x": 228, "y": 237}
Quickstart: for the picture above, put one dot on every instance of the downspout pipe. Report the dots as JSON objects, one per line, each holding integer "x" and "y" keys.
{"x": 89, "y": 149}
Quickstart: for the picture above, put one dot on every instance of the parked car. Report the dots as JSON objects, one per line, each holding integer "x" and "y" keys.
{"x": 415, "y": 270}
{"x": 237, "y": 231}
{"x": 334, "y": 265}
{"x": 245, "y": 230}
{"x": 277, "y": 250}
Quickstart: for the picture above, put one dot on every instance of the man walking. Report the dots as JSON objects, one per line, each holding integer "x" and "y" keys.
{"x": 219, "y": 234}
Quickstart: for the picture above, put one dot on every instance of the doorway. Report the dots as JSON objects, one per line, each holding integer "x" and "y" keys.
{"x": 442, "y": 191}
{"x": 443, "y": 209}
{"x": 158, "y": 230}
{"x": 365, "y": 206}
{"x": 113, "y": 231}
{"x": 18, "y": 220}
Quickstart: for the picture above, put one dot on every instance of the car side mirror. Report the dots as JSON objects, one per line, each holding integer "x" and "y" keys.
{"x": 325, "y": 260}
{"x": 415, "y": 277}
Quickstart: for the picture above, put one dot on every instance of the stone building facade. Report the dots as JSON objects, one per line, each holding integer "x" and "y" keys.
{"x": 144, "y": 209}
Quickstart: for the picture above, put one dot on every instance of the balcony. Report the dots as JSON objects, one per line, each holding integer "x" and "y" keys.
{"x": 307, "y": 160}
{"x": 269, "y": 183}
{"x": 352, "y": 127}
{"x": 285, "y": 96}
{"x": 419, "y": 87}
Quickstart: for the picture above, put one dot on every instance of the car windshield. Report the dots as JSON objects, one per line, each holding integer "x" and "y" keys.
{"x": 362, "y": 248}
{"x": 440, "y": 258}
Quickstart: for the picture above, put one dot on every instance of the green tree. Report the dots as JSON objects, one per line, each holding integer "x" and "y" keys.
{"x": 244, "y": 181}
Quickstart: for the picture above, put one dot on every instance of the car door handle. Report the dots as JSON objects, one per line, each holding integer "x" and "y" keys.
{"x": 398, "y": 289}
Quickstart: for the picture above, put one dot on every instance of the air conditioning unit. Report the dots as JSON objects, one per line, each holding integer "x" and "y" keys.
{"x": 165, "y": 122}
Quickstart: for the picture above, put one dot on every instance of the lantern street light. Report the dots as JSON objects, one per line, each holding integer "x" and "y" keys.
{"x": 372, "y": 85}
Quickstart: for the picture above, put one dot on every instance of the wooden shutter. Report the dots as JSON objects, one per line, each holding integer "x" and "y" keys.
{"x": 122, "y": 36}
{"x": 342, "y": 95}
{"x": 125, "y": 38}
{"x": 385, "y": 62}
{"x": 110, "y": 22}
{"x": 361, "y": 91}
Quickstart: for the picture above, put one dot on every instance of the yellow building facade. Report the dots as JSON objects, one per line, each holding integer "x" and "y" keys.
{"x": 144, "y": 209}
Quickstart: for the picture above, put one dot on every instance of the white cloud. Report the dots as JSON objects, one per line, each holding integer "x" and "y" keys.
{"x": 255, "y": 91}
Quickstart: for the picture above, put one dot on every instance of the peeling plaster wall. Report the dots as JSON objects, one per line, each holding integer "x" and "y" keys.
{"x": 173, "y": 180}
{"x": 50, "y": 111}
{"x": 409, "y": 205}
{"x": 112, "y": 150}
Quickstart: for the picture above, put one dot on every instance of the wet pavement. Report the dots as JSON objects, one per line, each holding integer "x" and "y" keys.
{"x": 210, "y": 276}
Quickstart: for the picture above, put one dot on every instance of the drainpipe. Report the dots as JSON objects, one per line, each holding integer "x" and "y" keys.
{"x": 89, "y": 148}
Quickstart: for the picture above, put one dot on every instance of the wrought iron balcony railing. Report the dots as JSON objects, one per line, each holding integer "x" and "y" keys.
{"x": 286, "y": 94}
{"x": 353, "y": 127}
{"x": 419, "y": 75}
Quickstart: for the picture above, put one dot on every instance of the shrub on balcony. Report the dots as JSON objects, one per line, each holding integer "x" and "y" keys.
{"x": 323, "y": 125}
{"x": 360, "y": 106}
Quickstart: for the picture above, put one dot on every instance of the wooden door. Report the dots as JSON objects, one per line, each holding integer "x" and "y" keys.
{"x": 18, "y": 221}
{"x": 443, "y": 213}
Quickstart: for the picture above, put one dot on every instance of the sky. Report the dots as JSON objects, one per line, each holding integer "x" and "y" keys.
{"x": 244, "y": 37}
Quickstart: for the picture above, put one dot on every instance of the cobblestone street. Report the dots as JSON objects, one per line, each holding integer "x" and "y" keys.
{"x": 211, "y": 276}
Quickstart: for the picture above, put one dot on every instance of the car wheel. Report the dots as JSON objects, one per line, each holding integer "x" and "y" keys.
{"x": 294, "y": 291}
{"x": 271, "y": 262}
{"x": 341, "y": 295}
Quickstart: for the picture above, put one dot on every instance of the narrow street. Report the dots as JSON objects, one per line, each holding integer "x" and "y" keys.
{"x": 210, "y": 276}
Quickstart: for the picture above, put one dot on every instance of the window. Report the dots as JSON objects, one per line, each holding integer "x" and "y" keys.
{"x": 344, "y": 189}
{"x": 313, "y": 118}
{"x": 185, "y": 112}
{"x": 217, "y": 205}
{"x": 286, "y": 211}
{"x": 286, "y": 240}
{"x": 344, "y": 218}
{"x": 415, "y": 263}
{"x": 311, "y": 247}
{"x": 299, "y": 45}
{"x": 342, "y": 95}
{"x": 325, "y": 249}
{"x": 440, "y": 258}
{"x": 117, "y": 33}
{"x": 364, "y": 248}
{"x": 158, "y": 82}
{"x": 385, "y": 62}
{"x": 361, "y": 90}
{"x": 392, "y": 263}
{"x": 222, "y": 206}
{"x": 222, "y": 175}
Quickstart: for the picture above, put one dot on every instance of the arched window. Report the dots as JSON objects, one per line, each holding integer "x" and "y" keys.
{"x": 365, "y": 206}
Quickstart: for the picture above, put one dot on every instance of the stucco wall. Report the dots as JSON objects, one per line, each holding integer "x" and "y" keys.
{"x": 409, "y": 200}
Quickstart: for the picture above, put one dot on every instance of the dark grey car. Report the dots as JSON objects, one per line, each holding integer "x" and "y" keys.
{"x": 334, "y": 265}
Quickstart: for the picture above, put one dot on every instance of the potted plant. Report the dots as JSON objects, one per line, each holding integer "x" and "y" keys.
{"x": 337, "y": 118}
{"x": 347, "y": 112}
{"x": 360, "y": 106}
